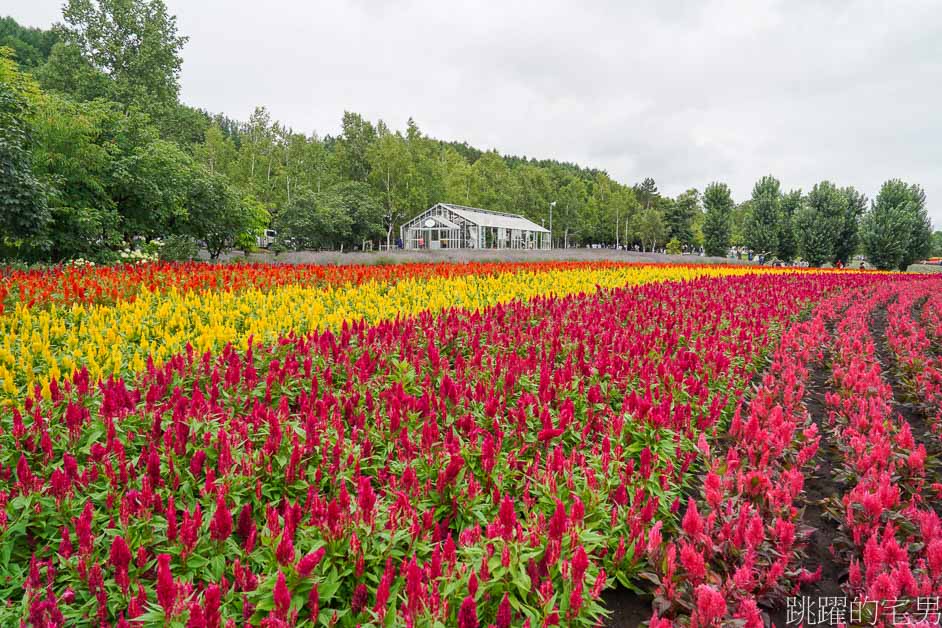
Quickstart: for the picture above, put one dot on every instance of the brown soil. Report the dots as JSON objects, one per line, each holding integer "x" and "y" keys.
{"x": 822, "y": 489}
{"x": 628, "y": 609}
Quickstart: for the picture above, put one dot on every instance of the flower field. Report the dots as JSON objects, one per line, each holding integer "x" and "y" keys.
{"x": 462, "y": 445}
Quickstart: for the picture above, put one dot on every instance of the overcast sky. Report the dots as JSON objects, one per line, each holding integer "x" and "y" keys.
{"x": 687, "y": 92}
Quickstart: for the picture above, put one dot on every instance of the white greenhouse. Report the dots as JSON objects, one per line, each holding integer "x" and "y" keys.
{"x": 448, "y": 226}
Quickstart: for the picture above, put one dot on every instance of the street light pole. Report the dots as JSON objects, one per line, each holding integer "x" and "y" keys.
{"x": 552, "y": 205}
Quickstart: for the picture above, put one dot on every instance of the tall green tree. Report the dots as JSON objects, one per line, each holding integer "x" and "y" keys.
{"x": 848, "y": 238}
{"x": 572, "y": 199}
{"x": 718, "y": 206}
{"x": 787, "y": 247}
{"x": 896, "y": 231}
{"x": 215, "y": 214}
{"x": 31, "y": 46}
{"x": 356, "y": 200}
{"x": 679, "y": 216}
{"x": 936, "y": 250}
{"x": 650, "y": 229}
{"x": 646, "y": 192}
{"x": 819, "y": 223}
{"x": 75, "y": 158}
{"x": 67, "y": 72}
{"x": 134, "y": 43}
{"x": 353, "y": 146}
{"x": 24, "y": 214}
{"x": 762, "y": 228}
{"x": 390, "y": 173}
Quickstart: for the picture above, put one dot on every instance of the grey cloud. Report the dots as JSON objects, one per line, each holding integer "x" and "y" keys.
{"x": 687, "y": 92}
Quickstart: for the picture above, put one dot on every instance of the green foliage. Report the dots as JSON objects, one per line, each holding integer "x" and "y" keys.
{"x": 30, "y": 46}
{"x": 336, "y": 218}
{"x": 848, "y": 239}
{"x": 352, "y": 147}
{"x": 674, "y": 247}
{"x": 214, "y": 213}
{"x": 24, "y": 214}
{"x": 820, "y": 221}
{"x": 718, "y": 206}
{"x": 787, "y": 242}
{"x": 646, "y": 192}
{"x": 353, "y": 201}
{"x": 762, "y": 227}
{"x": 74, "y": 160}
{"x": 680, "y": 214}
{"x": 896, "y": 232}
{"x": 650, "y": 229}
{"x": 68, "y": 72}
{"x": 936, "y": 249}
{"x": 134, "y": 43}
{"x": 179, "y": 247}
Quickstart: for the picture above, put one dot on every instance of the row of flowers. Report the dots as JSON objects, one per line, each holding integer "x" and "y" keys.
{"x": 893, "y": 536}
{"x": 38, "y": 345}
{"x": 107, "y": 285}
{"x": 913, "y": 340}
{"x": 497, "y": 467}
{"x": 747, "y": 552}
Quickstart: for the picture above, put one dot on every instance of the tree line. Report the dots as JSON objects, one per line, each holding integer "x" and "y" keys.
{"x": 99, "y": 154}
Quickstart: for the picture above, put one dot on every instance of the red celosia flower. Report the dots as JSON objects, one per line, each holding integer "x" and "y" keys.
{"x": 282, "y": 596}
{"x": 166, "y": 587}
{"x": 468, "y": 613}
{"x": 120, "y": 558}
{"x": 308, "y": 563}
{"x": 504, "y": 616}
{"x": 711, "y": 605}
{"x": 358, "y": 603}
{"x": 220, "y": 527}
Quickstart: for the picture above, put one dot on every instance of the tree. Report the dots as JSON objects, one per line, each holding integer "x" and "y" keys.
{"x": 215, "y": 214}
{"x": 389, "y": 173}
{"x": 680, "y": 214}
{"x": 74, "y": 158}
{"x": 762, "y": 228}
{"x": 572, "y": 199}
{"x": 307, "y": 224}
{"x": 646, "y": 192}
{"x": 819, "y": 222}
{"x": 883, "y": 231}
{"x": 787, "y": 247}
{"x": 848, "y": 236}
{"x": 217, "y": 153}
{"x": 24, "y": 214}
{"x": 936, "y": 244}
{"x": 896, "y": 231}
{"x": 134, "y": 43}
{"x": 650, "y": 228}
{"x": 68, "y": 72}
{"x": 920, "y": 229}
{"x": 31, "y": 46}
{"x": 718, "y": 203}
{"x": 353, "y": 146}
{"x": 356, "y": 200}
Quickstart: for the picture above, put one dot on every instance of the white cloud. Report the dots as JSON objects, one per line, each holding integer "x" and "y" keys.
{"x": 687, "y": 92}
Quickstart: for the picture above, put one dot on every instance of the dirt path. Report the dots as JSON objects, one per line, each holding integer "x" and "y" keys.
{"x": 911, "y": 412}
{"x": 465, "y": 255}
{"x": 823, "y": 491}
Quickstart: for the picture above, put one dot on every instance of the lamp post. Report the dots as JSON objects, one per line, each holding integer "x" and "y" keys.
{"x": 552, "y": 205}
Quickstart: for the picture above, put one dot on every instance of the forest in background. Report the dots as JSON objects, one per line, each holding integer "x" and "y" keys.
{"x": 100, "y": 155}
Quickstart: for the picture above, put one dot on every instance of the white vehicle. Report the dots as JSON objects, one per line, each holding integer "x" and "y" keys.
{"x": 267, "y": 239}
